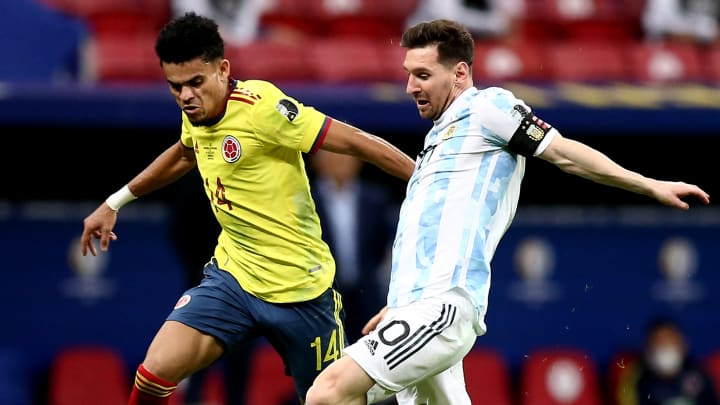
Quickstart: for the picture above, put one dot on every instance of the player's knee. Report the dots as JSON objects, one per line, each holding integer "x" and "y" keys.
{"x": 151, "y": 384}
{"x": 320, "y": 394}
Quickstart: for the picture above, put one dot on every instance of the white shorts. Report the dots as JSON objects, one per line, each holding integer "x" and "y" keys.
{"x": 416, "y": 351}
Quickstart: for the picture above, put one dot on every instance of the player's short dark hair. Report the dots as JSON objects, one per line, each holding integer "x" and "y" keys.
{"x": 188, "y": 37}
{"x": 454, "y": 42}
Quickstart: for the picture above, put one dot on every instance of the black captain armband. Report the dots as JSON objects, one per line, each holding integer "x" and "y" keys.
{"x": 529, "y": 134}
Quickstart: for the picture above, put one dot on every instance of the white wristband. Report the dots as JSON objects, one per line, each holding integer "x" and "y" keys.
{"x": 120, "y": 198}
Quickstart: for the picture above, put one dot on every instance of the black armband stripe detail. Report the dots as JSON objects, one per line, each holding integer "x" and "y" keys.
{"x": 528, "y": 135}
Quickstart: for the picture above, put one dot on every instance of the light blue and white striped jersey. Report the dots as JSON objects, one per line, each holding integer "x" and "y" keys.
{"x": 460, "y": 199}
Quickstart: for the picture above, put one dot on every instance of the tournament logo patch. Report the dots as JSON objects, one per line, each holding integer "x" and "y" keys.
{"x": 231, "y": 149}
{"x": 184, "y": 300}
{"x": 288, "y": 109}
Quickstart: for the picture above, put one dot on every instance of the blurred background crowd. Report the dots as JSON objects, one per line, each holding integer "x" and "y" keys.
{"x": 599, "y": 296}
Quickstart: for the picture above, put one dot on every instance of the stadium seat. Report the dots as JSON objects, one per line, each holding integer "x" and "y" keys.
{"x": 587, "y": 61}
{"x": 710, "y": 60}
{"x": 348, "y": 60}
{"x": 536, "y": 23}
{"x": 305, "y": 18}
{"x": 559, "y": 376}
{"x": 590, "y": 20}
{"x": 213, "y": 389}
{"x": 381, "y": 19}
{"x": 392, "y": 56}
{"x": 268, "y": 384}
{"x": 712, "y": 365}
{"x": 497, "y": 61}
{"x": 122, "y": 59}
{"x": 260, "y": 60}
{"x": 487, "y": 377}
{"x": 117, "y": 16}
{"x": 88, "y": 375}
{"x": 657, "y": 63}
{"x": 620, "y": 365}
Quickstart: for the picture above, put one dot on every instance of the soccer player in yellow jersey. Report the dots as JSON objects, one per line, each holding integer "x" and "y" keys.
{"x": 271, "y": 274}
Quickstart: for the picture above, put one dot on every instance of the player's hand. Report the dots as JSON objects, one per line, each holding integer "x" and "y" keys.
{"x": 673, "y": 193}
{"x": 98, "y": 225}
{"x": 374, "y": 321}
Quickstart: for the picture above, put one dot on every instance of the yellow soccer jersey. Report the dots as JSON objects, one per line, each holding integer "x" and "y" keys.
{"x": 254, "y": 175}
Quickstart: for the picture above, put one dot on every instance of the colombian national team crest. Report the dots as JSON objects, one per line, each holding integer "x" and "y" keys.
{"x": 231, "y": 149}
{"x": 184, "y": 300}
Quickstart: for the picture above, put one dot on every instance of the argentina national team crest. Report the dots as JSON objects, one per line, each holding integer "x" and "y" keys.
{"x": 231, "y": 149}
{"x": 288, "y": 109}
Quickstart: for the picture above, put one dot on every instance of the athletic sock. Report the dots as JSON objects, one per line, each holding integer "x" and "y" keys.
{"x": 149, "y": 389}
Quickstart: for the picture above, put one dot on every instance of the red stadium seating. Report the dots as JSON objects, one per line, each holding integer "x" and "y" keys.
{"x": 89, "y": 375}
{"x": 620, "y": 365}
{"x": 664, "y": 63}
{"x": 268, "y": 384}
{"x": 373, "y": 18}
{"x": 307, "y": 17}
{"x": 336, "y": 60}
{"x": 712, "y": 365}
{"x": 587, "y": 61}
{"x": 272, "y": 61}
{"x": 710, "y": 58}
{"x": 117, "y": 16}
{"x": 497, "y": 61}
{"x": 123, "y": 58}
{"x": 487, "y": 377}
{"x": 559, "y": 377}
{"x": 392, "y": 56}
{"x": 603, "y": 20}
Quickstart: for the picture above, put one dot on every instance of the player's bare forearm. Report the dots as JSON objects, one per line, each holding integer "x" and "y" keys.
{"x": 172, "y": 164}
{"x": 387, "y": 157}
{"x": 346, "y": 139}
{"x": 579, "y": 159}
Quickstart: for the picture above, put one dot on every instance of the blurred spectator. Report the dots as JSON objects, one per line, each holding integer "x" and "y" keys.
{"x": 358, "y": 221}
{"x": 666, "y": 373}
{"x": 485, "y": 19}
{"x": 694, "y": 20}
{"x": 239, "y": 20}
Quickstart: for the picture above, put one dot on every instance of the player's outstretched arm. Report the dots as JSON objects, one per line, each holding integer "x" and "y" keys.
{"x": 346, "y": 139}
{"x": 579, "y": 159}
{"x": 169, "y": 166}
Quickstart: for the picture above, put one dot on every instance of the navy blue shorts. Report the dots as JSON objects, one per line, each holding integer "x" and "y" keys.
{"x": 308, "y": 335}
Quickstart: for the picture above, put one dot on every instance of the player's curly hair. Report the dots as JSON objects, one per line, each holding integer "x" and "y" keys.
{"x": 454, "y": 42}
{"x": 188, "y": 37}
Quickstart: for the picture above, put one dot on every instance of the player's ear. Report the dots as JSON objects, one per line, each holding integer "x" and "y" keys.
{"x": 224, "y": 69}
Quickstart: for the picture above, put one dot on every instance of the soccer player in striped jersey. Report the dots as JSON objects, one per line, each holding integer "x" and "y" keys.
{"x": 271, "y": 274}
{"x": 460, "y": 201}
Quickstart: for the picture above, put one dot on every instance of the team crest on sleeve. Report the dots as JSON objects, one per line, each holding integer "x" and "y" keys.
{"x": 231, "y": 149}
{"x": 530, "y": 132}
{"x": 184, "y": 300}
{"x": 288, "y": 109}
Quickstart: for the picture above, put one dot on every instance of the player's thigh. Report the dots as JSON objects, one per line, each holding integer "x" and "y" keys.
{"x": 178, "y": 351}
{"x": 218, "y": 307}
{"x": 447, "y": 387}
{"x": 417, "y": 341}
{"x": 308, "y": 335}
